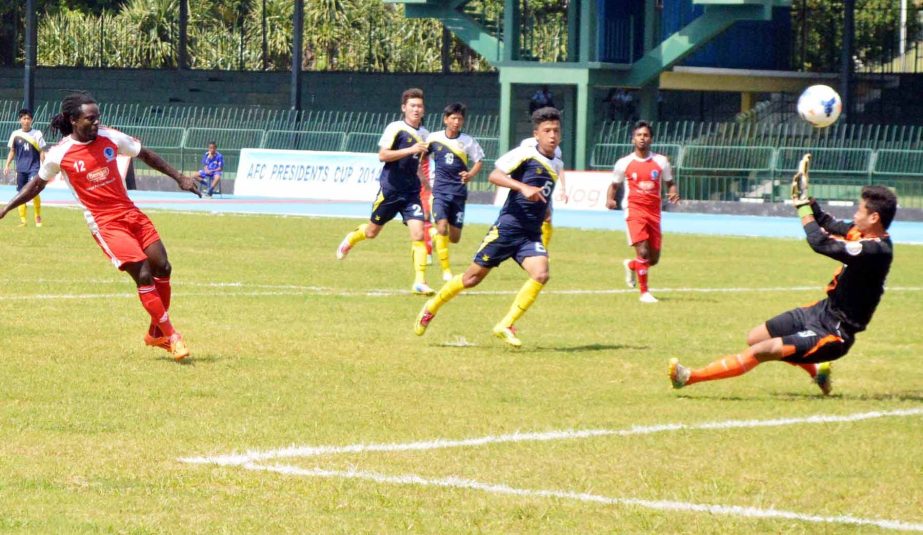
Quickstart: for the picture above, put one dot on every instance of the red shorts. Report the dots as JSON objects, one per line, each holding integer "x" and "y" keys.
{"x": 125, "y": 239}
{"x": 639, "y": 230}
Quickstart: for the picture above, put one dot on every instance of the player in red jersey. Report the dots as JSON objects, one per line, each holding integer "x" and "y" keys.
{"x": 86, "y": 159}
{"x": 643, "y": 172}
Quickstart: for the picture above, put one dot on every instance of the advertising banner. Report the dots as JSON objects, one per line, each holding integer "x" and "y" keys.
{"x": 295, "y": 174}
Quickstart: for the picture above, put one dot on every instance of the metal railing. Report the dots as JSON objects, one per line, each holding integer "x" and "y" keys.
{"x": 734, "y": 173}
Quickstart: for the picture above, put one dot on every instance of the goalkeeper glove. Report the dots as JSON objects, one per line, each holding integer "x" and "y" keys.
{"x": 800, "y": 183}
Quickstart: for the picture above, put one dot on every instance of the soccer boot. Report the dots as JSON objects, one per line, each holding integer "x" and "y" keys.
{"x": 823, "y": 378}
{"x": 38, "y": 221}
{"x": 679, "y": 374}
{"x": 343, "y": 248}
{"x": 162, "y": 342}
{"x": 630, "y": 279}
{"x": 421, "y": 288}
{"x": 447, "y": 276}
{"x": 646, "y": 297}
{"x": 423, "y": 319}
{"x": 507, "y": 334}
{"x": 178, "y": 347}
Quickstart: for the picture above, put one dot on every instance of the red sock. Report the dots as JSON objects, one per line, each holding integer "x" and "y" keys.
{"x": 729, "y": 366}
{"x": 640, "y": 266}
{"x": 163, "y": 289}
{"x": 810, "y": 368}
{"x": 151, "y": 302}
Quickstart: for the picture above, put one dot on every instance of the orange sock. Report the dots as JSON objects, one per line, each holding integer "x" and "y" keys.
{"x": 151, "y": 302}
{"x": 810, "y": 368}
{"x": 729, "y": 366}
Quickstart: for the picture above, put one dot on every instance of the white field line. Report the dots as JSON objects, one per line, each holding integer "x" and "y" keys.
{"x": 658, "y": 505}
{"x": 270, "y": 290}
{"x": 569, "y": 434}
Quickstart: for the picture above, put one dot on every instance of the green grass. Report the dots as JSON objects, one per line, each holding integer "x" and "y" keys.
{"x": 288, "y": 350}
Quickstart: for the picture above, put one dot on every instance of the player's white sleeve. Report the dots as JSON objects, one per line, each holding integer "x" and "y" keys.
{"x": 128, "y": 146}
{"x": 475, "y": 152}
{"x": 510, "y": 161}
{"x": 10, "y": 142}
{"x": 50, "y": 167}
{"x": 666, "y": 170}
{"x": 40, "y": 140}
{"x": 387, "y": 138}
{"x": 618, "y": 171}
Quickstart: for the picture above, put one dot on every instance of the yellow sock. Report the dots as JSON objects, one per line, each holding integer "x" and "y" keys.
{"x": 524, "y": 299}
{"x": 547, "y": 231}
{"x": 22, "y": 213}
{"x": 441, "y": 244}
{"x": 357, "y": 235}
{"x": 445, "y": 294}
{"x": 37, "y": 202}
{"x": 418, "y": 254}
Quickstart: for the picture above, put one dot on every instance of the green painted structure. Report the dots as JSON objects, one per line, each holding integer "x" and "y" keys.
{"x": 581, "y": 71}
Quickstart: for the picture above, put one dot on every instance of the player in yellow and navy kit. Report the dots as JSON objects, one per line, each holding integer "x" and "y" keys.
{"x": 530, "y": 173}
{"x": 811, "y": 337}
{"x": 27, "y": 147}
{"x": 401, "y": 147}
{"x": 455, "y": 160}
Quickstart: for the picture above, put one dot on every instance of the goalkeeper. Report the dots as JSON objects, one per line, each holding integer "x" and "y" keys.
{"x": 812, "y": 336}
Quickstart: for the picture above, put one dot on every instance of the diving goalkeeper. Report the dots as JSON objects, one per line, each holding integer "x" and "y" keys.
{"x": 811, "y": 337}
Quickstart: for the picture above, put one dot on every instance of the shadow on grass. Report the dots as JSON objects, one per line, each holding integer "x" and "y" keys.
{"x": 808, "y": 395}
{"x": 191, "y": 360}
{"x": 883, "y": 396}
{"x": 586, "y": 348}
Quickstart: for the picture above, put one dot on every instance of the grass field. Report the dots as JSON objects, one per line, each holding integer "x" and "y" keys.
{"x": 292, "y": 348}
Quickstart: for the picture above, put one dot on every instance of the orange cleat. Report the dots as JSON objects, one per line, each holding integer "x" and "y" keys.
{"x": 178, "y": 347}
{"x": 162, "y": 342}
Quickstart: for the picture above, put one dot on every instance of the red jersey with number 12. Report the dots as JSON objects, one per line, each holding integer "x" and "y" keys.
{"x": 643, "y": 178}
{"x": 91, "y": 170}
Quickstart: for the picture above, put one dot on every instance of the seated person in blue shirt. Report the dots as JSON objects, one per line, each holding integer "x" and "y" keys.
{"x": 212, "y": 165}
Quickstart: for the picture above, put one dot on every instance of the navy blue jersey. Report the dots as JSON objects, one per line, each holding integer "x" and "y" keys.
{"x": 529, "y": 166}
{"x": 400, "y": 176}
{"x": 449, "y": 157}
{"x": 27, "y": 148}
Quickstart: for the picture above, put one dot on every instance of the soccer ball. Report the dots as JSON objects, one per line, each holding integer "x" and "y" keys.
{"x": 820, "y": 105}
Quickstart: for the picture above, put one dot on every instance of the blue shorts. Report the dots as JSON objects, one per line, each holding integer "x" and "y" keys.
{"x": 205, "y": 176}
{"x": 498, "y": 246}
{"x": 387, "y": 206}
{"x": 451, "y": 210}
{"x": 23, "y": 178}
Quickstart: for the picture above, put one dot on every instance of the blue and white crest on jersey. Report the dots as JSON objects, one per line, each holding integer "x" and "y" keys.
{"x": 655, "y": 174}
{"x": 109, "y": 153}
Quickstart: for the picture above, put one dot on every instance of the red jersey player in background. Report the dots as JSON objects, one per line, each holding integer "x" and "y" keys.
{"x": 643, "y": 173}
{"x": 86, "y": 159}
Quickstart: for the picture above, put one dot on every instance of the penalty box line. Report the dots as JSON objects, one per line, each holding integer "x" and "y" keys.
{"x": 458, "y": 483}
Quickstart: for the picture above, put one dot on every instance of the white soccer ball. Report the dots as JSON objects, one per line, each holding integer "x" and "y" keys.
{"x": 820, "y": 105}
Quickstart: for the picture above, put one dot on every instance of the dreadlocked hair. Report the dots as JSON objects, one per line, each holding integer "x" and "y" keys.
{"x": 71, "y": 108}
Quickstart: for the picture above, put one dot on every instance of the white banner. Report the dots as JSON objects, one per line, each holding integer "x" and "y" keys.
{"x": 586, "y": 190}
{"x": 333, "y": 176}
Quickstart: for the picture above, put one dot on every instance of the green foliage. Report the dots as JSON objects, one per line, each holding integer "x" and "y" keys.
{"x": 818, "y": 32}
{"x": 352, "y": 35}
